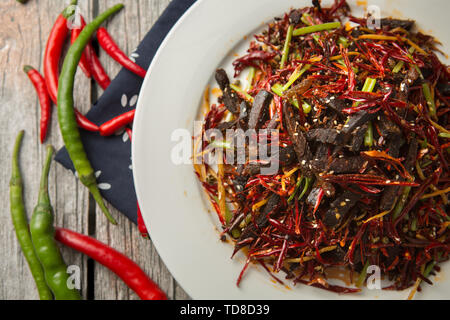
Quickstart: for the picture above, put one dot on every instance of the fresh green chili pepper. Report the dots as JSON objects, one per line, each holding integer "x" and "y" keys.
{"x": 19, "y": 218}
{"x": 66, "y": 113}
{"x": 42, "y": 234}
{"x": 316, "y": 28}
{"x": 286, "y": 46}
{"x": 444, "y": 135}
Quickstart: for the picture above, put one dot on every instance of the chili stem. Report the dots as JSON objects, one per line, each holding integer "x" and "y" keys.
{"x": 250, "y": 77}
{"x": 401, "y": 203}
{"x": 368, "y": 86}
{"x": 316, "y": 28}
{"x": 286, "y": 46}
{"x": 362, "y": 275}
{"x": 242, "y": 91}
{"x": 368, "y": 137}
{"x": 429, "y": 98}
{"x": 277, "y": 89}
{"x": 295, "y": 75}
{"x": 305, "y": 188}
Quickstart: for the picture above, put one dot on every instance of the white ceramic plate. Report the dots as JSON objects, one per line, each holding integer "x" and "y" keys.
{"x": 180, "y": 222}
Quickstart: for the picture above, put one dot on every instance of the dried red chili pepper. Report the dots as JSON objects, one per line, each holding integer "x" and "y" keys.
{"x": 110, "y": 46}
{"x": 110, "y": 127}
{"x": 44, "y": 99}
{"x": 250, "y": 60}
{"x": 118, "y": 263}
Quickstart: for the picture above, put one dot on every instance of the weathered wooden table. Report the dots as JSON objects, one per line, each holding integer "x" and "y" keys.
{"x": 23, "y": 34}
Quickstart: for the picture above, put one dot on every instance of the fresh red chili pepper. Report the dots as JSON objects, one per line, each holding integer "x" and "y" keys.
{"x": 110, "y": 46}
{"x": 141, "y": 225}
{"x": 44, "y": 99}
{"x": 98, "y": 72}
{"x": 140, "y": 221}
{"x": 110, "y": 127}
{"x": 84, "y": 65}
{"x": 85, "y": 123}
{"x": 118, "y": 263}
{"x": 52, "y": 56}
{"x": 90, "y": 61}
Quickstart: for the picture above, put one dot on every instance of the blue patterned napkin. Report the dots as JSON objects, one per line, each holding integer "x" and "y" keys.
{"x": 111, "y": 157}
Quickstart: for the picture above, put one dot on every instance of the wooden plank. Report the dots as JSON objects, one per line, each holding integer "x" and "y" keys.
{"x": 128, "y": 28}
{"x": 22, "y": 41}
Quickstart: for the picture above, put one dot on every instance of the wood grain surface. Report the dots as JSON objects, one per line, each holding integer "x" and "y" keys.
{"x": 23, "y": 34}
